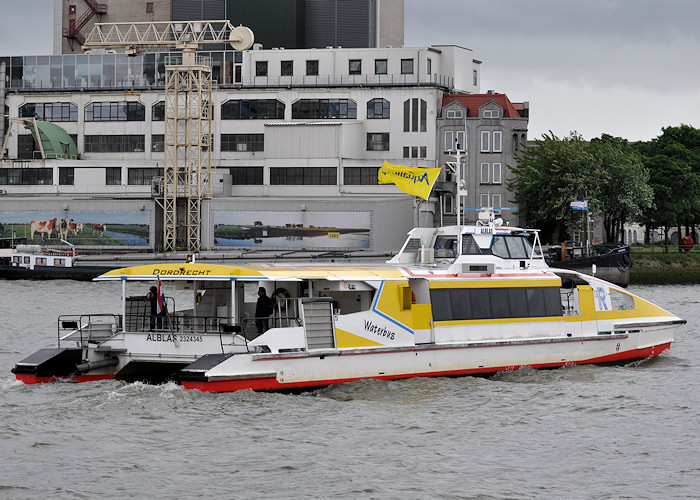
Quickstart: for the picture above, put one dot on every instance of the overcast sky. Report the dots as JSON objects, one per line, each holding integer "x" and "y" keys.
{"x": 621, "y": 67}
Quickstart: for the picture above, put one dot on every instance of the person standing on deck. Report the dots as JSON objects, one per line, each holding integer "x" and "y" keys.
{"x": 263, "y": 309}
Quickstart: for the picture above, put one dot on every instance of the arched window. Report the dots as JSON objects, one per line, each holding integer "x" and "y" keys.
{"x": 378, "y": 108}
{"x": 252, "y": 109}
{"x": 50, "y": 111}
{"x": 119, "y": 111}
{"x": 158, "y": 112}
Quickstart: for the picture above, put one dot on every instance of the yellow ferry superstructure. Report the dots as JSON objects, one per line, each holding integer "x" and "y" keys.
{"x": 455, "y": 300}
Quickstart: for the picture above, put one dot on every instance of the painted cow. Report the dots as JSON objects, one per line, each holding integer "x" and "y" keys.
{"x": 64, "y": 226}
{"x": 45, "y": 227}
{"x": 101, "y": 228}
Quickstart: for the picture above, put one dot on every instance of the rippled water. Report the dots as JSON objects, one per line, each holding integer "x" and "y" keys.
{"x": 575, "y": 432}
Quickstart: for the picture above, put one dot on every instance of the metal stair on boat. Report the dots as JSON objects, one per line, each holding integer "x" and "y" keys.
{"x": 318, "y": 323}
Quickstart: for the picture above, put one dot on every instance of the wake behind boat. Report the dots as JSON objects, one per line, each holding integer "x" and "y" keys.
{"x": 455, "y": 300}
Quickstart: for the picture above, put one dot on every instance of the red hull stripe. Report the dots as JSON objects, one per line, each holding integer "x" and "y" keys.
{"x": 29, "y": 378}
{"x": 271, "y": 383}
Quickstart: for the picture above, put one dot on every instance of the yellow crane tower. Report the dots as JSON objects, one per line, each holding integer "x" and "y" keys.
{"x": 188, "y": 110}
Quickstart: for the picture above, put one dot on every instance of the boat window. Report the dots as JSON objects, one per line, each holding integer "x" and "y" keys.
{"x": 59, "y": 262}
{"x": 451, "y": 304}
{"x": 17, "y": 259}
{"x": 511, "y": 247}
{"x": 446, "y": 247}
{"x": 26, "y": 260}
{"x": 469, "y": 245}
{"x": 40, "y": 261}
{"x": 621, "y": 301}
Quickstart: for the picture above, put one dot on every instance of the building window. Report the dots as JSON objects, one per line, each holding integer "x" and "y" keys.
{"x": 378, "y": 141}
{"x": 377, "y": 108}
{"x": 484, "y": 200}
{"x": 496, "y": 201}
{"x": 303, "y": 176}
{"x": 476, "y": 77}
{"x": 448, "y": 203}
{"x": 50, "y": 111}
{"x": 143, "y": 176}
{"x": 497, "y": 136}
{"x": 360, "y": 176}
{"x": 66, "y": 176}
{"x": 415, "y": 115}
{"x": 324, "y": 108}
{"x": 496, "y": 179}
{"x": 252, "y": 109}
{"x": 461, "y": 140}
{"x": 406, "y": 152}
{"x": 114, "y": 143}
{"x": 149, "y": 7}
{"x": 484, "y": 173}
{"x": 312, "y": 67}
{"x": 406, "y": 66}
{"x": 455, "y": 113}
{"x": 157, "y": 143}
{"x": 246, "y": 176}
{"x": 355, "y": 67}
{"x": 26, "y": 176}
{"x": 287, "y": 68}
{"x": 113, "y": 176}
{"x": 449, "y": 141}
{"x": 242, "y": 142}
{"x": 491, "y": 113}
{"x": 380, "y": 67}
{"x": 158, "y": 112}
{"x": 120, "y": 111}
{"x": 429, "y": 66}
{"x": 485, "y": 141}
{"x": 260, "y": 68}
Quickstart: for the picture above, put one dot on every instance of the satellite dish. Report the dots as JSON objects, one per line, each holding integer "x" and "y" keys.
{"x": 241, "y": 38}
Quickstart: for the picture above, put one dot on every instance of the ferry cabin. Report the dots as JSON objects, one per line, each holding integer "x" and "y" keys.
{"x": 454, "y": 301}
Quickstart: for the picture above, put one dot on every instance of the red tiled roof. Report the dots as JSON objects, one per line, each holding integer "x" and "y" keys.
{"x": 474, "y": 101}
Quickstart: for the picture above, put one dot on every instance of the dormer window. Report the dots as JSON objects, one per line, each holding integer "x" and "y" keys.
{"x": 491, "y": 113}
{"x": 455, "y": 113}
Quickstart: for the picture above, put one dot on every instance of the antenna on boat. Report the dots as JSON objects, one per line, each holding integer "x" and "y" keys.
{"x": 460, "y": 155}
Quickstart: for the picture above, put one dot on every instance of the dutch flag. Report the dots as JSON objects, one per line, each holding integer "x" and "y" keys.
{"x": 160, "y": 299}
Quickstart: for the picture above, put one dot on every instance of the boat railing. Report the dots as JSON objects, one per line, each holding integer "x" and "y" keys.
{"x": 85, "y": 328}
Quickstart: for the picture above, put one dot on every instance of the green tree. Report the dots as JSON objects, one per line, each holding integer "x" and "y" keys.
{"x": 623, "y": 192}
{"x": 551, "y": 174}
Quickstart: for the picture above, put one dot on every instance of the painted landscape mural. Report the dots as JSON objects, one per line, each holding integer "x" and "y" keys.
{"x": 99, "y": 228}
{"x": 298, "y": 230}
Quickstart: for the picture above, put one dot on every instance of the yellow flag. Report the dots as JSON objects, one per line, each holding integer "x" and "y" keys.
{"x": 410, "y": 180}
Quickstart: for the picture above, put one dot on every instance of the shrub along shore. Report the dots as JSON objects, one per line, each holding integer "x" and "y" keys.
{"x": 652, "y": 266}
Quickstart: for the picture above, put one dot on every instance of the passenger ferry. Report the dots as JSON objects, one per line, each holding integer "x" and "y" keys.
{"x": 457, "y": 300}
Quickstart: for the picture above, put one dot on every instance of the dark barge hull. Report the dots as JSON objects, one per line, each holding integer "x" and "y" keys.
{"x": 78, "y": 273}
{"x": 613, "y": 266}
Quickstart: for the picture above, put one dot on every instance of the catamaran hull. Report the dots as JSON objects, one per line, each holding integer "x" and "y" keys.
{"x": 293, "y": 371}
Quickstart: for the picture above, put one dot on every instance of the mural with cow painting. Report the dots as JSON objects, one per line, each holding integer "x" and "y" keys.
{"x": 94, "y": 228}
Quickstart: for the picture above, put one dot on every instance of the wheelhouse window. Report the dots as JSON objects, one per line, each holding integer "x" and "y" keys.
{"x": 446, "y": 247}
{"x": 511, "y": 246}
{"x": 469, "y": 245}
